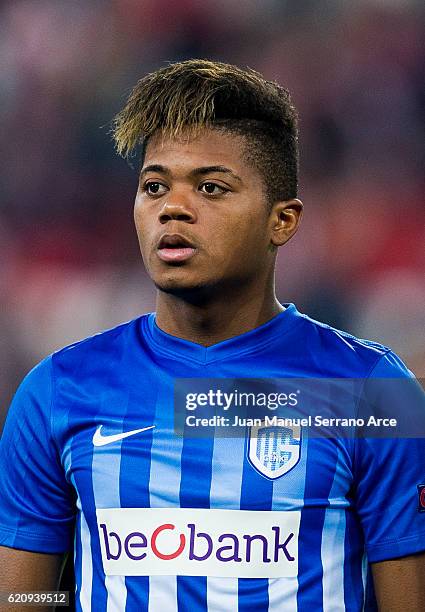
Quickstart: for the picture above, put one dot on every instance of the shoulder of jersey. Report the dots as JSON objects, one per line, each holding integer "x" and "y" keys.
{"x": 360, "y": 353}
{"x": 99, "y": 340}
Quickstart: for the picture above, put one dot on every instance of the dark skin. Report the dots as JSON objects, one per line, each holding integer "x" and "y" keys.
{"x": 225, "y": 288}
{"x": 23, "y": 571}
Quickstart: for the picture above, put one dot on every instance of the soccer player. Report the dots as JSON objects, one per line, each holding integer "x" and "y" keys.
{"x": 90, "y": 461}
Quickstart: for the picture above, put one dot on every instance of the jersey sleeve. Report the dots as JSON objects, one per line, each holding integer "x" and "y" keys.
{"x": 37, "y": 509}
{"x": 389, "y": 473}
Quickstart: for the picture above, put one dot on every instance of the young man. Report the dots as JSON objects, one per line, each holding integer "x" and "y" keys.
{"x": 89, "y": 453}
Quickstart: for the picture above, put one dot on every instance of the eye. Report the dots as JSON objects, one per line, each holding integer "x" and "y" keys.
{"x": 154, "y": 188}
{"x": 212, "y": 189}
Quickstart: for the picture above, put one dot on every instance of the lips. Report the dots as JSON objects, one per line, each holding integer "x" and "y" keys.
{"x": 175, "y": 248}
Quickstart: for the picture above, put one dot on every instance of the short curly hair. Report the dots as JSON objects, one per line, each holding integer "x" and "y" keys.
{"x": 197, "y": 94}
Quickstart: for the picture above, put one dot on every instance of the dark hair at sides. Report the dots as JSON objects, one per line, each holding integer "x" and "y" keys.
{"x": 197, "y": 94}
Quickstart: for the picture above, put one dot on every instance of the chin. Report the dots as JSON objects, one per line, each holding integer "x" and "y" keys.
{"x": 186, "y": 288}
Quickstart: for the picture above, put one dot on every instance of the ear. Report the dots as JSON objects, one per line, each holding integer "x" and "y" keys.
{"x": 285, "y": 218}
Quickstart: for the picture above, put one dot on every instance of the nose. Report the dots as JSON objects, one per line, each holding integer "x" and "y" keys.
{"x": 176, "y": 211}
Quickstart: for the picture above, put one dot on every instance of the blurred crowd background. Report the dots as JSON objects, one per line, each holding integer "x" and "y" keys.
{"x": 69, "y": 262}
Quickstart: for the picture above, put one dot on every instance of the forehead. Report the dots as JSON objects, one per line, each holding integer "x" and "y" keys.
{"x": 210, "y": 147}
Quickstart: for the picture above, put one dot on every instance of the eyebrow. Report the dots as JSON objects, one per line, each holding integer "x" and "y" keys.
{"x": 195, "y": 172}
{"x": 154, "y": 168}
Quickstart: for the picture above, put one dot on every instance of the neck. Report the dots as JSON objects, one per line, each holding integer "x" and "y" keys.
{"x": 219, "y": 317}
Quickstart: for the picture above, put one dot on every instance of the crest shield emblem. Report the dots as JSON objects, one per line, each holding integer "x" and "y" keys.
{"x": 274, "y": 450}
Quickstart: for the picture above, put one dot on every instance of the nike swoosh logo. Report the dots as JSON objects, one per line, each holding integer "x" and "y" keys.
{"x": 99, "y": 440}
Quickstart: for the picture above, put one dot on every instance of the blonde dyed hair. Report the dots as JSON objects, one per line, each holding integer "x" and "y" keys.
{"x": 197, "y": 94}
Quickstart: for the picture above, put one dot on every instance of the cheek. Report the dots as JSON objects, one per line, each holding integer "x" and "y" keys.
{"x": 138, "y": 221}
{"x": 244, "y": 232}
{"x": 137, "y": 211}
{"x": 142, "y": 228}
{"x": 240, "y": 245}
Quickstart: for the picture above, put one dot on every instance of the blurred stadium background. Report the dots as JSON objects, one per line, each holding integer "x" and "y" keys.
{"x": 69, "y": 262}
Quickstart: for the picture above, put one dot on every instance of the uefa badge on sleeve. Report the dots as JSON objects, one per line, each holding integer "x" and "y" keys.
{"x": 421, "y": 495}
{"x": 274, "y": 451}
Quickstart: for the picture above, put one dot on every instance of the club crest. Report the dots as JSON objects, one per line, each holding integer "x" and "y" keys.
{"x": 274, "y": 450}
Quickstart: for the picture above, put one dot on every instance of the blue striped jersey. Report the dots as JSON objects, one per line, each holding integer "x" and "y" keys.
{"x": 158, "y": 522}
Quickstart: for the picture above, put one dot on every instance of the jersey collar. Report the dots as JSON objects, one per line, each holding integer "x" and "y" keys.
{"x": 248, "y": 342}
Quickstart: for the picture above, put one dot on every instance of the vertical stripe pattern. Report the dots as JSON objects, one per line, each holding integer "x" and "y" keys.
{"x": 164, "y": 487}
{"x": 106, "y": 478}
{"x": 226, "y": 482}
{"x": 256, "y": 494}
{"x": 195, "y": 485}
{"x": 310, "y": 568}
{"x": 333, "y": 541}
{"x": 288, "y": 494}
{"x": 135, "y": 468}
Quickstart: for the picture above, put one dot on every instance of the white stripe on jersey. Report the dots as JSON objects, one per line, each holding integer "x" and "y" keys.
{"x": 164, "y": 492}
{"x": 283, "y": 594}
{"x": 226, "y": 483}
{"x": 365, "y": 565}
{"x": 165, "y": 468}
{"x": 222, "y": 594}
{"x": 332, "y": 552}
{"x": 333, "y": 544}
{"x": 288, "y": 494}
{"x": 117, "y": 593}
{"x": 162, "y": 593}
{"x": 106, "y": 491}
{"x": 86, "y": 561}
{"x": 226, "y": 476}
{"x": 86, "y": 565}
